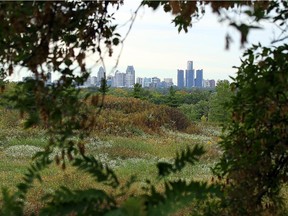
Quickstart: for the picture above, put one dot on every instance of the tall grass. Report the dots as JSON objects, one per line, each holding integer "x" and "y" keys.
{"x": 130, "y": 136}
{"x": 130, "y": 116}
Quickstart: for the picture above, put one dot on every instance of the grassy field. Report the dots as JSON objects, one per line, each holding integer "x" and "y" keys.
{"x": 127, "y": 155}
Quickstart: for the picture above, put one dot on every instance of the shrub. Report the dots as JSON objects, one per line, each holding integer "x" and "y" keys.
{"x": 120, "y": 115}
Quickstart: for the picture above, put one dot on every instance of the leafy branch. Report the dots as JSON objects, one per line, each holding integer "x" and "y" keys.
{"x": 182, "y": 159}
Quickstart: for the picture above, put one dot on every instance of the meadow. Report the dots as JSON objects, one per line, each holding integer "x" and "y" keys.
{"x": 131, "y": 136}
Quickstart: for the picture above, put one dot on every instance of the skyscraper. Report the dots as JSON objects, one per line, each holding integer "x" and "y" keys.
{"x": 212, "y": 83}
{"x": 189, "y": 78}
{"x": 189, "y": 75}
{"x": 130, "y": 76}
{"x": 139, "y": 80}
{"x": 189, "y": 65}
{"x": 180, "y": 78}
{"x": 94, "y": 80}
{"x": 110, "y": 80}
{"x": 119, "y": 79}
{"x": 199, "y": 78}
{"x": 155, "y": 82}
{"x": 101, "y": 74}
{"x": 168, "y": 82}
{"x": 147, "y": 82}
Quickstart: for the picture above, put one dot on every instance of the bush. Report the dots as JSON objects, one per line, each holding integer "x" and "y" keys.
{"x": 120, "y": 115}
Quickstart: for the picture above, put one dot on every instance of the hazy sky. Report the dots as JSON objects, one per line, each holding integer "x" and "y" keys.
{"x": 155, "y": 48}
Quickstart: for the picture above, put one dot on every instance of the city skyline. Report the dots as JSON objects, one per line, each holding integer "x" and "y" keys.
{"x": 155, "y": 46}
{"x": 128, "y": 79}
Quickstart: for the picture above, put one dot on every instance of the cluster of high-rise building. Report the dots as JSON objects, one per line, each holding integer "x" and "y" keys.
{"x": 127, "y": 80}
{"x": 118, "y": 80}
{"x": 185, "y": 79}
{"x": 155, "y": 82}
{"x": 189, "y": 80}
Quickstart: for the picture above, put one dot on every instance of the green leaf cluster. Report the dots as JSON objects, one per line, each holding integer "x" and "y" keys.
{"x": 255, "y": 155}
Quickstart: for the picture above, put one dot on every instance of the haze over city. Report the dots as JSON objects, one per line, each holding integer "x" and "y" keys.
{"x": 155, "y": 48}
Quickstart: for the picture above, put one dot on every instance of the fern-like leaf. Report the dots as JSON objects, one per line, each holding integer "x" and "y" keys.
{"x": 95, "y": 168}
{"x": 11, "y": 205}
{"x": 79, "y": 202}
{"x": 183, "y": 158}
{"x": 177, "y": 195}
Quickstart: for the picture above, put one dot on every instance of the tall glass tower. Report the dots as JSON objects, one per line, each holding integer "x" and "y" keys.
{"x": 189, "y": 65}
{"x": 180, "y": 78}
{"x": 101, "y": 73}
{"x": 199, "y": 78}
{"x": 189, "y": 75}
{"x": 130, "y": 76}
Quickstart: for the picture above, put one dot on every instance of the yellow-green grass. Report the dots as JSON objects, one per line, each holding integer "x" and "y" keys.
{"x": 136, "y": 155}
{"x": 128, "y": 156}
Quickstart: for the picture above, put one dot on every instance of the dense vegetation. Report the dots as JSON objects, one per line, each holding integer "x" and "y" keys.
{"x": 130, "y": 136}
{"x": 251, "y": 175}
{"x": 197, "y": 104}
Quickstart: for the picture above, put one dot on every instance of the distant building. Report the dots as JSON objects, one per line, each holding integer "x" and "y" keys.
{"x": 93, "y": 81}
{"x": 206, "y": 83}
{"x": 146, "y": 82}
{"x": 110, "y": 81}
{"x": 180, "y": 78}
{"x": 87, "y": 83}
{"x": 130, "y": 76}
{"x": 212, "y": 83}
{"x": 101, "y": 74}
{"x": 189, "y": 82}
{"x": 119, "y": 79}
{"x": 168, "y": 82}
{"x": 139, "y": 80}
{"x": 199, "y": 78}
{"x": 155, "y": 82}
{"x": 189, "y": 65}
{"x": 189, "y": 78}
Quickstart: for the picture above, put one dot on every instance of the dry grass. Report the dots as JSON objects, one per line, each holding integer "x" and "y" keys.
{"x": 134, "y": 136}
{"x": 130, "y": 116}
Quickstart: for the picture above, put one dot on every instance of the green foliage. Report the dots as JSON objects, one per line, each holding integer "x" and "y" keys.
{"x": 31, "y": 32}
{"x": 126, "y": 115}
{"x": 58, "y": 35}
{"x": 195, "y": 111}
{"x": 97, "y": 170}
{"x": 141, "y": 93}
{"x": 178, "y": 194}
{"x": 172, "y": 100}
{"x": 255, "y": 155}
{"x": 196, "y": 95}
{"x": 10, "y": 206}
{"x": 137, "y": 90}
{"x": 218, "y": 103}
{"x": 104, "y": 88}
{"x": 79, "y": 202}
{"x": 190, "y": 156}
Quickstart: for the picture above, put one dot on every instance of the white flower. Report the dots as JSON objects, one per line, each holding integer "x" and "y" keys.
{"x": 22, "y": 151}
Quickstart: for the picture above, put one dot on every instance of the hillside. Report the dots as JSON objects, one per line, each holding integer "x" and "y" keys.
{"x": 128, "y": 116}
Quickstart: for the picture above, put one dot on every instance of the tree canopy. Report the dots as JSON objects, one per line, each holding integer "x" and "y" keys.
{"x": 58, "y": 36}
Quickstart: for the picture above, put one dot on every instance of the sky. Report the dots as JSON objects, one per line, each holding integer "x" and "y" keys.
{"x": 155, "y": 48}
